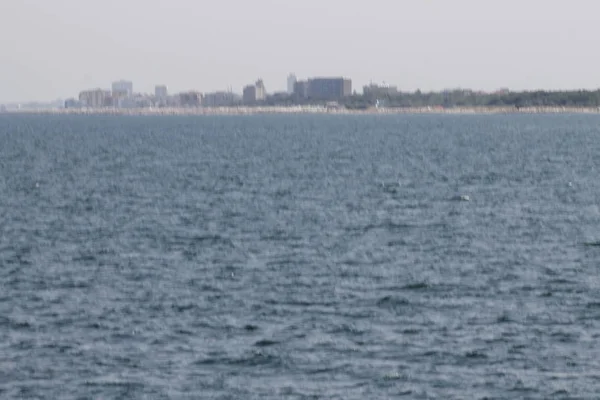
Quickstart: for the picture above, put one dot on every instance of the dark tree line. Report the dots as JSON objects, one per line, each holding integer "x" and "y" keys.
{"x": 451, "y": 99}
{"x": 467, "y": 98}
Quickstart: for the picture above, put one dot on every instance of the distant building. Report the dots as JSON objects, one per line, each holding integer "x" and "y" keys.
{"x": 261, "y": 91}
{"x": 120, "y": 99}
{"x": 291, "y": 82}
{"x": 220, "y": 99}
{"x": 161, "y": 93}
{"x": 122, "y": 92}
{"x": 123, "y": 101}
{"x": 174, "y": 101}
{"x": 329, "y": 88}
{"x": 280, "y": 98}
{"x": 73, "y": 103}
{"x": 135, "y": 101}
{"x": 122, "y": 88}
{"x": 379, "y": 90}
{"x": 301, "y": 89}
{"x": 254, "y": 93}
{"x": 95, "y": 98}
{"x": 249, "y": 94}
{"x": 190, "y": 99}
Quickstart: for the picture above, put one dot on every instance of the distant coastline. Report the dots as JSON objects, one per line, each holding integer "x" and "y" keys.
{"x": 306, "y": 110}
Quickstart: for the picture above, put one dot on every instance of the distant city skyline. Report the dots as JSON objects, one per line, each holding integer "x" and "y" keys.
{"x": 54, "y": 49}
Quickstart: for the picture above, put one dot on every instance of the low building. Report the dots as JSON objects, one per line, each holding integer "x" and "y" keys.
{"x": 73, "y": 103}
{"x": 220, "y": 99}
{"x": 190, "y": 99}
{"x": 120, "y": 97}
{"x": 173, "y": 101}
{"x": 95, "y": 98}
{"x": 135, "y": 101}
{"x": 279, "y": 98}
{"x": 373, "y": 90}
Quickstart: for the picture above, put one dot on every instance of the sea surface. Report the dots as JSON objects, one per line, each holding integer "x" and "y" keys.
{"x": 300, "y": 257}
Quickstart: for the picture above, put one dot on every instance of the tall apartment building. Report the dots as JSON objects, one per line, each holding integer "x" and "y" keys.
{"x": 249, "y": 94}
{"x": 301, "y": 89}
{"x": 122, "y": 88}
{"x": 329, "y": 88}
{"x": 261, "y": 91}
{"x": 254, "y": 93}
{"x": 291, "y": 81}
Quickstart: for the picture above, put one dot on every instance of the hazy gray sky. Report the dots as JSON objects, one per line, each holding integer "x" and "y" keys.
{"x": 55, "y": 48}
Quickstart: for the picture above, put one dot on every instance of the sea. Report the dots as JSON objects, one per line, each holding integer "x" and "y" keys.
{"x": 300, "y": 257}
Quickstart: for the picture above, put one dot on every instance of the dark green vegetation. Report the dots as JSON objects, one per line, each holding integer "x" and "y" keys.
{"x": 456, "y": 98}
{"x": 467, "y": 98}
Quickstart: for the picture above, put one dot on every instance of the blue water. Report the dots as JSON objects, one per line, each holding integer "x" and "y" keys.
{"x": 300, "y": 257}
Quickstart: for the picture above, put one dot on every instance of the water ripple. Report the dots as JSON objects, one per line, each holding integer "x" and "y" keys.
{"x": 301, "y": 257}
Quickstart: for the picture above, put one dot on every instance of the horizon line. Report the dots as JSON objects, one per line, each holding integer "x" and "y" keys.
{"x": 400, "y": 91}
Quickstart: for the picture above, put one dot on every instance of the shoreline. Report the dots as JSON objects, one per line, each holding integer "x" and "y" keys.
{"x": 304, "y": 110}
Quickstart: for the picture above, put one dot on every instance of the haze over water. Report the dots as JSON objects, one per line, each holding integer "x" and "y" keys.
{"x": 55, "y": 49}
{"x": 300, "y": 257}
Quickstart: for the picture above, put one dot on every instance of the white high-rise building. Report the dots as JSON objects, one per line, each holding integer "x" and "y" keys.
{"x": 122, "y": 88}
{"x": 261, "y": 91}
{"x": 291, "y": 81}
{"x": 254, "y": 93}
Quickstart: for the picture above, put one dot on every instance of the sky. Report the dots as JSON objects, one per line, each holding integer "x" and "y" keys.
{"x": 53, "y": 49}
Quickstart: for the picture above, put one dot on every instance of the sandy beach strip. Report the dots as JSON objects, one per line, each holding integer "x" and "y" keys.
{"x": 303, "y": 110}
